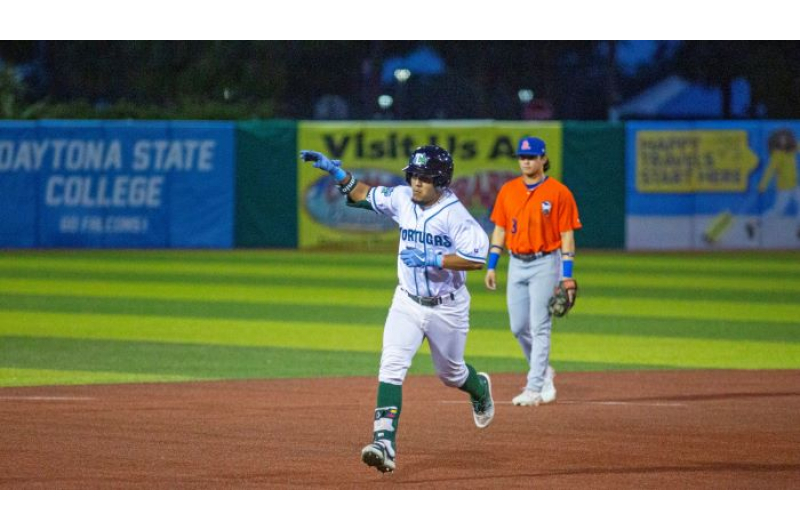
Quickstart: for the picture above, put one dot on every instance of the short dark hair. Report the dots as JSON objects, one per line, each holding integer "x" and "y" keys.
{"x": 546, "y": 163}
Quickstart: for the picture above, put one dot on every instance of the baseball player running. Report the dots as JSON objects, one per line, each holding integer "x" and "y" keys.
{"x": 535, "y": 217}
{"x": 439, "y": 242}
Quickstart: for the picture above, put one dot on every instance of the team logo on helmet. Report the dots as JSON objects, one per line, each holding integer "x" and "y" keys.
{"x": 431, "y": 161}
{"x": 420, "y": 159}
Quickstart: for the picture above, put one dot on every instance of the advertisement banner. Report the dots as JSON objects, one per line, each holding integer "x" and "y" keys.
{"x": 377, "y": 152}
{"x": 708, "y": 185}
{"x": 116, "y": 184}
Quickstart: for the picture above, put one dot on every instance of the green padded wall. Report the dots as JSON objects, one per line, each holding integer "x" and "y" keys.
{"x": 266, "y": 184}
{"x": 594, "y": 169}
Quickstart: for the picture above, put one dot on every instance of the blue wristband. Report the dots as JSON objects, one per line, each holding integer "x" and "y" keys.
{"x": 493, "y": 259}
{"x": 566, "y": 268}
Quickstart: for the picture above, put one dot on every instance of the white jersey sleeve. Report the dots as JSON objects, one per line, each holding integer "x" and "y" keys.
{"x": 389, "y": 201}
{"x": 471, "y": 241}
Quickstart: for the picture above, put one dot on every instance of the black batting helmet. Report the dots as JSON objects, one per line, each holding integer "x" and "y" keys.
{"x": 431, "y": 161}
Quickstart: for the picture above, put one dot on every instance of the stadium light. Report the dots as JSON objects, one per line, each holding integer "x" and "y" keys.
{"x": 385, "y": 101}
{"x": 402, "y": 74}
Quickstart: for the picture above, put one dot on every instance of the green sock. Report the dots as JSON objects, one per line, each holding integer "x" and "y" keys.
{"x": 387, "y": 412}
{"x": 474, "y": 385}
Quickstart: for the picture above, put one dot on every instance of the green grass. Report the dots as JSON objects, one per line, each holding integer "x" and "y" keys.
{"x": 78, "y": 317}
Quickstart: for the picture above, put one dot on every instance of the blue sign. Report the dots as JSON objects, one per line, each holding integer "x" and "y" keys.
{"x": 712, "y": 185}
{"x": 115, "y": 184}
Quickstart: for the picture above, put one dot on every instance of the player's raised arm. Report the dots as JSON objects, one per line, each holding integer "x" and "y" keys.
{"x": 355, "y": 190}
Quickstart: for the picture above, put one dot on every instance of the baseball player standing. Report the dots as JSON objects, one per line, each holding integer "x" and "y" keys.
{"x": 535, "y": 217}
{"x": 439, "y": 242}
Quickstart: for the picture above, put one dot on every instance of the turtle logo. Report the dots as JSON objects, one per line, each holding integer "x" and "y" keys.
{"x": 420, "y": 159}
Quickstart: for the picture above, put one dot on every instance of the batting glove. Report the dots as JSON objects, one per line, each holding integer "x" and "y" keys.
{"x": 414, "y": 257}
{"x": 322, "y": 162}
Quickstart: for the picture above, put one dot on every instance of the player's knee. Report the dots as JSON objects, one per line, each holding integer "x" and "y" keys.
{"x": 393, "y": 378}
{"x": 520, "y": 330}
{"x": 454, "y": 378}
{"x": 393, "y": 372}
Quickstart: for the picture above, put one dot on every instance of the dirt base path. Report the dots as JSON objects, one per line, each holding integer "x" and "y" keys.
{"x": 632, "y": 430}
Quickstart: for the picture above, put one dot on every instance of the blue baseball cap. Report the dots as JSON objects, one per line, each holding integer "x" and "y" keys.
{"x": 531, "y": 146}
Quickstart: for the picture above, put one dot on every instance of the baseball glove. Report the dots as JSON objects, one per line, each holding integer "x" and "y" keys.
{"x": 563, "y": 297}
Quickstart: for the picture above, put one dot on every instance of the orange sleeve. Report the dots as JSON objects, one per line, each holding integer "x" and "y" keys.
{"x": 568, "y": 218}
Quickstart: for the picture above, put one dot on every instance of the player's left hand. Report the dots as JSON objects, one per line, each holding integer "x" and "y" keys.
{"x": 563, "y": 298}
{"x": 324, "y": 163}
{"x": 490, "y": 280}
{"x": 571, "y": 287}
{"x": 414, "y": 257}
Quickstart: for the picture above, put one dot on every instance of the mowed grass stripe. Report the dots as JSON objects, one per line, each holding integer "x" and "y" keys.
{"x": 579, "y": 322}
{"x": 745, "y": 310}
{"x": 14, "y": 377}
{"x": 746, "y": 263}
{"x": 676, "y": 352}
{"x": 219, "y": 278}
{"x": 43, "y": 361}
{"x": 299, "y": 270}
{"x": 784, "y": 273}
{"x": 758, "y": 289}
{"x": 185, "y": 361}
{"x": 771, "y": 307}
{"x": 114, "y": 298}
{"x": 340, "y": 295}
{"x": 345, "y": 293}
{"x": 665, "y": 351}
{"x": 312, "y": 335}
{"x": 693, "y": 263}
{"x": 282, "y": 257}
{"x": 309, "y": 267}
{"x": 666, "y": 295}
{"x": 698, "y": 281}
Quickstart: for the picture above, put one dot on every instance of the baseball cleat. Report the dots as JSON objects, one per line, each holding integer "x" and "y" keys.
{"x": 483, "y": 410}
{"x": 548, "y": 392}
{"x": 528, "y": 398}
{"x": 377, "y": 455}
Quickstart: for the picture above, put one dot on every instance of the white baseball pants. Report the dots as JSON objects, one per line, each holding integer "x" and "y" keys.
{"x": 445, "y": 326}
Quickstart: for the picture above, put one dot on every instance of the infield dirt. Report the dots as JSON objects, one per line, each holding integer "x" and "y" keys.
{"x": 715, "y": 429}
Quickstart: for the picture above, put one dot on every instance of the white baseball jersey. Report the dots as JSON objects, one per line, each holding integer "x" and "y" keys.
{"x": 447, "y": 227}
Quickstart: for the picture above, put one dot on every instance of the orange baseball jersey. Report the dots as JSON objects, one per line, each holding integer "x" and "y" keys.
{"x": 534, "y": 220}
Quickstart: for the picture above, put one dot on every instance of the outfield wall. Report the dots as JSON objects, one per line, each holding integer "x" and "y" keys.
{"x": 588, "y": 157}
{"x": 111, "y": 184}
{"x": 712, "y": 185}
{"x": 140, "y": 184}
{"x": 266, "y": 184}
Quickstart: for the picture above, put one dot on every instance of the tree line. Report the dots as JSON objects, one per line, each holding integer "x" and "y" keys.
{"x": 288, "y": 79}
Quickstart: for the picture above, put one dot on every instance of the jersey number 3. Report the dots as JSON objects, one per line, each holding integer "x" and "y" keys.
{"x": 513, "y": 226}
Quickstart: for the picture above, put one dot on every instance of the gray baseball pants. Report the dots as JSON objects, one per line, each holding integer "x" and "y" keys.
{"x": 530, "y": 286}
